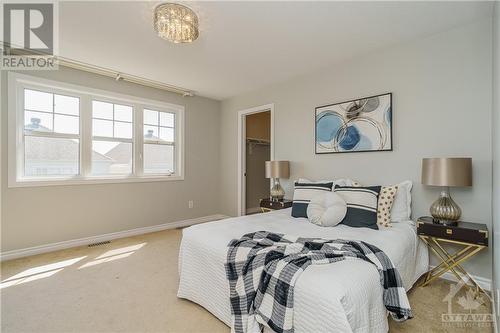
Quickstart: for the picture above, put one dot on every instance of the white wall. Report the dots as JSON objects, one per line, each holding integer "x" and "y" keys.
{"x": 41, "y": 215}
{"x": 442, "y": 97}
{"x": 496, "y": 155}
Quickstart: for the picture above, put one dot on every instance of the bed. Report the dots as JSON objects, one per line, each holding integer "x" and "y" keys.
{"x": 341, "y": 297}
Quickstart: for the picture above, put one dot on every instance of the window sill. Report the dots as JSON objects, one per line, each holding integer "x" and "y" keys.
{"x": 30, "y": 182}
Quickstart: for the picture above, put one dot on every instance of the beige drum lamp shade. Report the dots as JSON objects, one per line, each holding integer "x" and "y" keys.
{"x": 456, "y": 171}
{"x": 446, "y": 172}
{"x": 277, "y": 169}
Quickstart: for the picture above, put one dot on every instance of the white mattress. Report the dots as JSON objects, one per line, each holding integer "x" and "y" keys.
{"x": 341, "y": 297}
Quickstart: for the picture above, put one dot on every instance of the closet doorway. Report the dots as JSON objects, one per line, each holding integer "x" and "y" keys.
{"x": 256, "y": 136}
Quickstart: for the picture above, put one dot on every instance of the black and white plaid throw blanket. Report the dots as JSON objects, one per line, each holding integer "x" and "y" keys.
{"x": 262, "y": 268}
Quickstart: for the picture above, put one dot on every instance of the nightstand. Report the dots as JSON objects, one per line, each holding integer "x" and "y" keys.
{"x": 472, "y": 237}
{"x": 267, "y": 205}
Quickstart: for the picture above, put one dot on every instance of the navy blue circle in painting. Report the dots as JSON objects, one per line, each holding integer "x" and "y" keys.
{"x": 328, "y": 125}
{"x": 350, "y": 138}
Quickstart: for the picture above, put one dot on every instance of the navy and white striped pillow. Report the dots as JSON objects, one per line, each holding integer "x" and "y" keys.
{"x": 303, "y": 193}
{"x": 361, "y": 205}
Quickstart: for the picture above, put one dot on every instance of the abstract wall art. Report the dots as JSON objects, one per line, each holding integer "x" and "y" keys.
{"x": 359, "y": 125}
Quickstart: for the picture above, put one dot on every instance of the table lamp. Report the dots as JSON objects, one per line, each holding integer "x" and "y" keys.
{"x": 446, "y": 172}
{"x": 277, "y": 170}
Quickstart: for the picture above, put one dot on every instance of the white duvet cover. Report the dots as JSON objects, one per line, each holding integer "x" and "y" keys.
{"x": 340, "y": 297}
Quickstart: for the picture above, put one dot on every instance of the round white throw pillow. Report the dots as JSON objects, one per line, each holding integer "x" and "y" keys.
{"x": 327, "y": 209}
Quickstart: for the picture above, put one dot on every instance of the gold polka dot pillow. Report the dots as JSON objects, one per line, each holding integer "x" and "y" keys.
{"x": 384, "y": 206}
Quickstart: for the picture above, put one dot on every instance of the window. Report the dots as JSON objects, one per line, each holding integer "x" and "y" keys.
{"x": 67, "y": 134}
{"x": 159, "y": 142}
{"x": 51, "y": 134}
{"x": 112, "y": 138}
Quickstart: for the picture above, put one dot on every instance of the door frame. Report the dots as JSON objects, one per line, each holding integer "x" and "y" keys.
{"x": 242, "y": 149}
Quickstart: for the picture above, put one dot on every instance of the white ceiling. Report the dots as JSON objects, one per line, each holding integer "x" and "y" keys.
{"x": 247, "y": 45}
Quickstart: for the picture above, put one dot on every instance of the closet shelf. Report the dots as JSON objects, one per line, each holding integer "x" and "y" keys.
{"x": 258, "y": 142}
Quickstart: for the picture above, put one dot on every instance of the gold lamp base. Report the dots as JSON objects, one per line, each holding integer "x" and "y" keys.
{"x": 277, "y": 192}
{"x": 444, "y": 210}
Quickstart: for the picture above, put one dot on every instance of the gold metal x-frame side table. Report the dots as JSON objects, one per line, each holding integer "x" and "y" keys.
{"x": 451, "y": 261}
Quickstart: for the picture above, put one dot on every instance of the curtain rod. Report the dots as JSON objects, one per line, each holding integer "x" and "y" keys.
{"x": 118, "y": 76}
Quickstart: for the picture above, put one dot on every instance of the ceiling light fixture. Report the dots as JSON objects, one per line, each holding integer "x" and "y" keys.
{"x": 176, "y": 23}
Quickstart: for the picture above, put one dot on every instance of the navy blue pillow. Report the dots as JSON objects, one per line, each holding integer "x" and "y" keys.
{"x": 303, "y": 193}
{"x": 361, "y": 205}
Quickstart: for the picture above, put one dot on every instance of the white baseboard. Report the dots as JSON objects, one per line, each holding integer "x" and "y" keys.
{"x": 483, "y": 282}
{"x": 14, "y": 254}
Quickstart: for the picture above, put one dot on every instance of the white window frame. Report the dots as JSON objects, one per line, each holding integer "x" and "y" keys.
{"x": 16, "y": 85}
{"x": 160, "y": 142}
{"x": 53, "y": 134}
{"x": 113, "y": 138}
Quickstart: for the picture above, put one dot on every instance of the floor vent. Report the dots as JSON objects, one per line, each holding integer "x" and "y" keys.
{"x": 99, "y": 243}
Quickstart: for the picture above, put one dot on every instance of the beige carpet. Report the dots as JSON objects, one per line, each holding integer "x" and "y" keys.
{"x": 130, "y": 285}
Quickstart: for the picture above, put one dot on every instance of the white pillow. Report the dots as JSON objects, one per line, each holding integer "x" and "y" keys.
{"x": 401, "y": 208}
{"x": 327, "y": 209}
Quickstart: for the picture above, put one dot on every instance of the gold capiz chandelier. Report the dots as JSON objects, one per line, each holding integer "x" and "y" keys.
{"x": 176, "y": 23}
